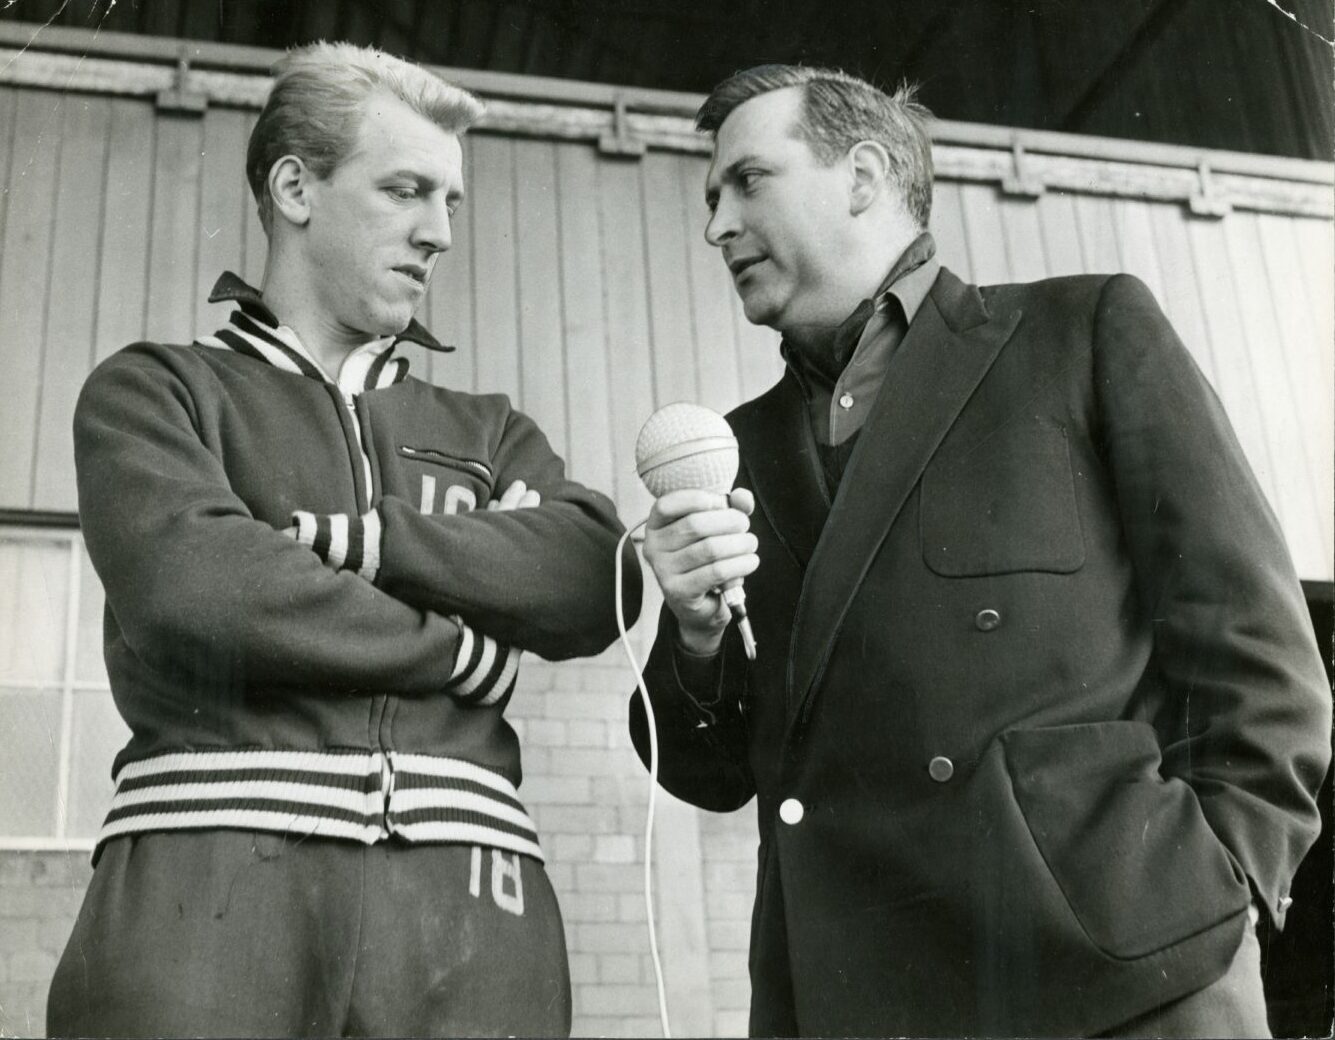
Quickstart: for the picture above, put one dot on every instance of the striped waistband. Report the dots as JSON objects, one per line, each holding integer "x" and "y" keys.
{"x": 361, "y": 796}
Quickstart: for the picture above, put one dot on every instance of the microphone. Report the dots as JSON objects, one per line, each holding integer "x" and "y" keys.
{"x": 686, "y": 445}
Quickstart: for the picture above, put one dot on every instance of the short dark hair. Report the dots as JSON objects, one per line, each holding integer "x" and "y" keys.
{"x": 838, "y": 111}
{"x": 314, "y": 108}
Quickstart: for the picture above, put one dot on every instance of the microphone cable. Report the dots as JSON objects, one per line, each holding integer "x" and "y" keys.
{"x": 653, "y": 782}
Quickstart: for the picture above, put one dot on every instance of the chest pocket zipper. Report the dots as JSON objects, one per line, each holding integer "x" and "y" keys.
{"x": 470, "y": 466}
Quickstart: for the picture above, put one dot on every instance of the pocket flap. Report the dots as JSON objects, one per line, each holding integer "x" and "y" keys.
{"x": 1131, "y": 851}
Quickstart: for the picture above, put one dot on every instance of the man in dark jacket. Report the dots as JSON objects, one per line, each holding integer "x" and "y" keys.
{"x": 311, "y": 631}
{"x": 1037, "y": 717}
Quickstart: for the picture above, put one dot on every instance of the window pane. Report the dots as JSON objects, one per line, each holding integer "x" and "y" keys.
{"x": 34, "y": 587}
{"x": 98, "y": 734}
{"x": 31, "y": 725}
{"x": 89, "y": 665}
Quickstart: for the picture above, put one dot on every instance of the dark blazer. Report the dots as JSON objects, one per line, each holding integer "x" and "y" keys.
{"x": 1040, "y": 682}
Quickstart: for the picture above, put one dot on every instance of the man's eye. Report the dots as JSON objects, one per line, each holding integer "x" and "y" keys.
{"x": 748, "y": 179}
{"x": 401, "y": 193}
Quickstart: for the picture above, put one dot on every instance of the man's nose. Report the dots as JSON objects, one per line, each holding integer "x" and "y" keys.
{"x": 722, "y": 226}
{"x": 432, "y": 232}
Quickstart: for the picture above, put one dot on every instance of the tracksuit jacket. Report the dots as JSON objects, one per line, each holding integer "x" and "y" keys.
{"x": 313, "y": 623}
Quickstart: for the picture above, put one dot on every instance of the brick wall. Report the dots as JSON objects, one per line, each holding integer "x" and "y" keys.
{"x": 587, "y": 793}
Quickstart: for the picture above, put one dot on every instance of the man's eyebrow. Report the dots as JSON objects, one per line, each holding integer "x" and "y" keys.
{"x": 729, "y": 173}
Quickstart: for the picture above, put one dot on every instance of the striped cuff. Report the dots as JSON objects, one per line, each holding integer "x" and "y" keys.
{"x": 342, "y": 542}
{"x": 484, "y": 670}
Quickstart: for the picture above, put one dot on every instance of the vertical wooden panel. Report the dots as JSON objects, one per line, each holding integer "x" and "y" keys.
{"x": 1271, "y": 383}
{"x": 222, "y": 215}
{"x": 71, "y": 310}
{"x": 122, "y": 281}
{"x": 1098, "y": 234}
{"x": 711, "y": 307}
{"x": 25, "y": 264}
{"x": 620, "y": 206}
{"x": 584, "y": 319}
{"x": 983, "y": 232}
{"x": 8, "y": 99}
{"x": 758, "y": 357}
{"x": 497, "y": 330}
{"x": 1135, "y": 236}
{"x": 1026, "y": 260}
{"x": 1181, "y": 297}
{"x": 175, "y": 236}
{"x": 671, "y": 335}
{"x": 448, "y": 308}
{"x": 541, "y": 343}
{"x": 1316, "y": 246}
{"x": 1232, "y": 374}
{"x": 947, "y": 227}
{"x": 1061, "y": 239}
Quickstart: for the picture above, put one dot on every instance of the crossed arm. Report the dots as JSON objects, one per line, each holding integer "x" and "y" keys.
{"x": 189, "y": 569}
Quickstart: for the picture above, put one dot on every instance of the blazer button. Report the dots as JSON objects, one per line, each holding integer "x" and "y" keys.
{"x": 986, "y": 620}
{"x": 940, "y": 769}
{"x": 791, "y": 811}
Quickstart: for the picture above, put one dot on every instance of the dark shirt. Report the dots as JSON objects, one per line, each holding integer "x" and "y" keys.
{"x": 841, "y": 372}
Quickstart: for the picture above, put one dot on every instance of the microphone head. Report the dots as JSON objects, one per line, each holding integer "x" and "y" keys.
{"x": 686, "y": 446}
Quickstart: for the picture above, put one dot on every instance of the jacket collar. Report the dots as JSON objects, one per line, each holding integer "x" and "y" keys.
{"x": 231, "y": 286}
{"x": 948, "y": 350}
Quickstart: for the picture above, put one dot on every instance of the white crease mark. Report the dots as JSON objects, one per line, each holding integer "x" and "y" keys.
{"x": 59, "y": 11}
{"x": 1294, "y": 19}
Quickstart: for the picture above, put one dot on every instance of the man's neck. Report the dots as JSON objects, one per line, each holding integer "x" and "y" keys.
{"x": 295, "y": 306}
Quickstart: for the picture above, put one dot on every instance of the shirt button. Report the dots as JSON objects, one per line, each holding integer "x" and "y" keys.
{"x": 1284, "y": 903}
{"x": 986, "y": 620}
{"x": 791, "y": 811}
{"x": 845, "y": 401}
{"x": 940, "y": 769}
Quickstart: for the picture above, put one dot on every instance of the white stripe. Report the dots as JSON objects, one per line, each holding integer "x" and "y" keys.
{"x": 428, "y": 501}
{"x": 211, "y": 761}
{"x": 508, "y": 671}
{"x": 439, "y": 798}
{"x": 338, "y": 539}
{"x": 306, "y": 527}
{"x": 271, "y": 353}
{"x": 247, "y": 819}
{"x": 469, "y": 683}
{"x": 371, "y": 528}
{"x": 465, "y": 650}
{"x": 470, "y": 834}
{"x": 367, "y": 803}
{"x": 432, "y": 765}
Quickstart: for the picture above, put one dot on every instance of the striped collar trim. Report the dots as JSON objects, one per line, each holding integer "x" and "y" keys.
{"x": 371, "y": 366}
{"x": 231, "y": 286}
{"x": 357, "y": 796}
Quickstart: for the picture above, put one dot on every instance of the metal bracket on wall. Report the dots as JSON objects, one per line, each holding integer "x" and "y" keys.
{"x": 620, "y": 141}
{"x": 1022, "y": 180}
{"x": 1208, "y": 201}
{"x": 179, "y": 97}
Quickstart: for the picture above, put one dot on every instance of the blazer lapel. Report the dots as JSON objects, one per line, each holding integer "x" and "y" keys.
{"x": 946, "y": 353}
{"x": 775, "y": 438}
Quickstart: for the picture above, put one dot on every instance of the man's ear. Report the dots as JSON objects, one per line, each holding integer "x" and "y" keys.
{"x": 289, "y": 188}
{"x": 869, "y": 164}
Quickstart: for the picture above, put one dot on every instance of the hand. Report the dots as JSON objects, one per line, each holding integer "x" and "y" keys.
{"x": 516, "y": 496}
{"x": 696, "y": 542}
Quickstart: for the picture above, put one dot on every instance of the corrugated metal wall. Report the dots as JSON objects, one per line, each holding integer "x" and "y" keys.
{"x": 582, "y": 286}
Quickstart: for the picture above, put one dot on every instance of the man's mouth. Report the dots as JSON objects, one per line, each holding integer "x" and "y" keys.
{"x": 742, "y": 263}
{"x": 415, "y": 273}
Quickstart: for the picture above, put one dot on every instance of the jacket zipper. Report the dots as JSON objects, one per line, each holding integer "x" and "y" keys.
{"x": 441, "y": 458}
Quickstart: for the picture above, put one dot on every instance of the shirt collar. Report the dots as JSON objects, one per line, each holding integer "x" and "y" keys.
{"x": 231, "y": 286}
{"x": 908, "y": 282}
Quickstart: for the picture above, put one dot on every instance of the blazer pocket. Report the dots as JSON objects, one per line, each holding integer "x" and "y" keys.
{"x": 1002, "y": 505}
{"x": 1131, "y": 851}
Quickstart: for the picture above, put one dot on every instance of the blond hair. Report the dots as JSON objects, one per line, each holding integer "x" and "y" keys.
{"x": 314, "y": 108}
